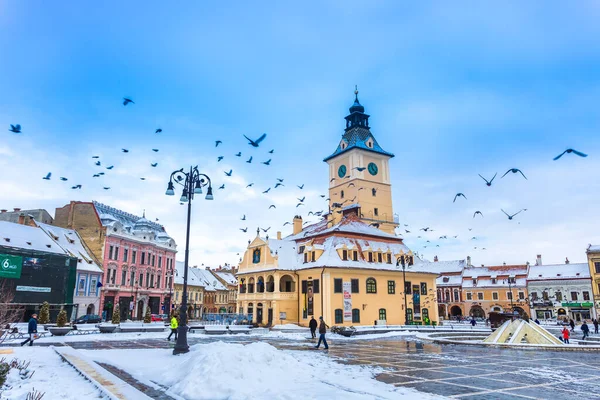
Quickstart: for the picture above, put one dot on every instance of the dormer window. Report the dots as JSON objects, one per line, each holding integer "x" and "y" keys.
{"x": 379, "y": 257}
{"x": 301, "y": 249}
{"x": 345, "y": 255}
{"x": 512, "y": 280}
{"x": 474, "y": 281}
{"x": 446, "y": 279}
{"x": 355, "y": 255}
{"x": 305, "y": 258}
{"x": 370, "y": 257}
{"x": 494, "y": 280}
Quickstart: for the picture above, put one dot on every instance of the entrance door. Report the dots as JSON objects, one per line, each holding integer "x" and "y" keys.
{"x": 140, "y": 310}
{"x": 270, "y": 317}
{"x": 259, "y": 314}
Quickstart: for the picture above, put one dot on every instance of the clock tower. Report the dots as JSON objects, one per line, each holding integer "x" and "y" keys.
{"x": 359, "y": 175}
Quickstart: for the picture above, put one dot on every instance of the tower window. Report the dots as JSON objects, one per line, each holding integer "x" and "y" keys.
{"x": 376, "y": 211}
{"x": 342, "y": 194}
{"x": 374, "y": 192}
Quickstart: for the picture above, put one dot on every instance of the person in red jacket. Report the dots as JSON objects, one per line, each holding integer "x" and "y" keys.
{"x": 566, "y": 334}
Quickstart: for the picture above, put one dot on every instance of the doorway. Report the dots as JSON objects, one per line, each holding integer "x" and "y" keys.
{"x": 90, "y": 309}
{"x": 140, "y": 310}
{"x": 269, "y": 317}
{"x": 259, "y": 313}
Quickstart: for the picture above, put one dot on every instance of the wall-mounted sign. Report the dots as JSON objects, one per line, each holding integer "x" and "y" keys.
{"x": 33, "y": 289}
{"x": 347, "y": 288}
{"x": 10, "y": 266}
{"x": 282, "y": 315}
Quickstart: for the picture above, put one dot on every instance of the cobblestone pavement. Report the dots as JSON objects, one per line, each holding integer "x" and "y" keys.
{"x": 464, "y": 372}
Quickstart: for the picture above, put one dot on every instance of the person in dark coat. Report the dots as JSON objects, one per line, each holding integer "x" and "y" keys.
{"x": 322, "y": 330}
{"x": 585, "y": 329}
{"x": 31, "y": 330}
{"x": 313, "y": 327}
{"x": 572, "y": 324}
{"x": 473, "y": 322}
{"x": 595, "y": 325}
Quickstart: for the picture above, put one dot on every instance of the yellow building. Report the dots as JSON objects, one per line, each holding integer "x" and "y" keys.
{"x": 593, "y": 255}
{"x": 344, "y": 267}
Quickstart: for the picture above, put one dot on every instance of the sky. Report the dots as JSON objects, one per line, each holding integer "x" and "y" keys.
{"x": 453, "y": 90}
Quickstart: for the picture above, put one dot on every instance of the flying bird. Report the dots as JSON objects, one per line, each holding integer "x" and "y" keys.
{"x": 47, "y": 177}
{"x": 106, "y": 188}
{"x": 244, "y": 230}
{"x": 125, "y": 150}
{"x": 301, "y": 187}
{"x": 249, "y": 160}
{"x": 76, "y": 187}
{"x": 155, "y": 150}
{"x": 425, "y": 229}
{"x": 580, "y": 154}
{"x": 158, "y": 130}
{"x": 255, "y": 143}
{"x": 217, "y": 143}
{"x": 268, "y": 162}
{"x": 280, "y": 180}
{"x": 249, "y": 185}
{"x": 514, "y": 171}
{"x": 510, "y": 217}
{"x": 222, "y": 186}
{"x": 458, "y": 195}
{"x": 272, "y": 206}
{"x": 239, "y": 154}
{"x": 228, "y": 173}
{"x": 271, "y": 151}
{"x": 98, "y": 163}
{"x": 299, "y": 204}
{"x": 278, "y": 184}
{"x": 127, "y": 101}
{"x": 15, "y": 128}
{"x": 407, "y": 231}
{"x": 96, "y": 176}
{"x": 111, "y": 167}
{"x": 243, "y": 218}
{"x": 219, "y": 158}
{"x": 96, "y": 157}
{"x": 489, "y": 183}
{"x": 265, "y": 230}
{"x": 142, "y": 179}
{"x": 62, "y": 178}
{"x": 477, "y": 212}
{"x": 287, "y": 223}
{"x": 154, "y": 164}
{"x": 301, "y": 200}
{"x": 266, "y": 191}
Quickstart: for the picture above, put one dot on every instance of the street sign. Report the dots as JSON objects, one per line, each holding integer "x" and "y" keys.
{"x": 10, "y": 266}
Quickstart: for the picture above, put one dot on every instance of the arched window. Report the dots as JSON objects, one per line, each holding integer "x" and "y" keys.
{"x": 409, "y": 313}
{"x": 342, "y": 194}
{"x": 371, "y": 285}
{"x": 382, "y": 314}
{"x": 339, "y": 316}
{"x": 355, "y": 315}
{"x": 456, "y": 296}
{"x": 250, "y": 309}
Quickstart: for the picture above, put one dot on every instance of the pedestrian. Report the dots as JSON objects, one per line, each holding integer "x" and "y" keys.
{"x": 473, "y": 322}
{"x": 585, "y": 329}
{"x": 313, "y": 327}
{"x": 31, "y": 330}
{"x": 322, "y": 330}
{"x": 595, "y": 325}
{"x": 174, "y": 326}
{"x": 572, "y": 324}
{"x": 566, "y": 334}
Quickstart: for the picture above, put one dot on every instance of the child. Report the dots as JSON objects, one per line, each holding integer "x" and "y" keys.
{"x": 566, "y": 335}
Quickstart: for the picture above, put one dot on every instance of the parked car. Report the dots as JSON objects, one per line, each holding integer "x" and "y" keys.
{"x": 159, "y": 317}
{"x": 89, "y": 319}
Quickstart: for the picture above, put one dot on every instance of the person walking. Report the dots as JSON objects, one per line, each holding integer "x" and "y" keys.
{"x": 313, "y": 327}
{"x": 585, "y": 329}
{"x": 322, "y": 330}
{"x": 174, "y": 326}
{"x": 566, "y": 334}
{"x": 572, "y": 324}
{"x": 595, "y": 325}
{"x": 31, "y": 330}
{"x": 473, "y": 322}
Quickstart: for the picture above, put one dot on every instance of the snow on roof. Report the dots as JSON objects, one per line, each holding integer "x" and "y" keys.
{"x": 179, "y": 271}
{"x": 208, "y": 280}
{"x": 593, "y": 248}
{"x": 27, "y": 237}
{"x": 350, "y": 224}
{"x": 499, "y": 271}
{"x": 71, "y": 242}
{"x": 488, "y": 283}
{"x": 449, "y": 280}
{"x": 227, "y": 277}
{"x": 442, "y": 267}
{"x": 559, "y": 271}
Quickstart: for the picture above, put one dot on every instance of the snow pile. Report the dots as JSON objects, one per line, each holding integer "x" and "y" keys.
{"x": 51, "y": 375}
{"x": 254, "y": 371}
{"x": 288, "y": 326}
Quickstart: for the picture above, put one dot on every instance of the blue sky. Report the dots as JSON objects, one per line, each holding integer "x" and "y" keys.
{"x": 452, "y": 89}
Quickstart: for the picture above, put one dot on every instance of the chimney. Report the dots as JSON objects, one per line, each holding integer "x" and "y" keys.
{"x": 469, "y": 261}
{"x": 297, "y": 225}
{"x": 567, "y": 260}
{"x": 538, "y": 260}
{"x": 504, "y": 264}
{"x": 208, "y": 268}
{"x": 16, "y": 209}
{"x": 21, "y": 219}
{"x": 435, "y": 259}
{"x": 278, "y": 235}
{"x": 3, "y": 211}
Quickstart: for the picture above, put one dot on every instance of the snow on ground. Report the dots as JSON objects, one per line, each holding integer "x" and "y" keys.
{"x": 233, "y": 371}
{"x": 52, "y": 376}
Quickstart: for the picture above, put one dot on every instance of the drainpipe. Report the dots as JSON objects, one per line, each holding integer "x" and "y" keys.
{"x": 322, "y": 291}
{"x": 299, "y": 294}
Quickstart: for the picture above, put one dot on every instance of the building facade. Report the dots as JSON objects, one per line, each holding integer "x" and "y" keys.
{"x": 227, "y": 278}
{"x": 449, "y": 287}
{"x": 562, "y": 291}
{"x": 593, "y": 257}
{"x": 137, "y": 256}
{"x": 344, "y": 267}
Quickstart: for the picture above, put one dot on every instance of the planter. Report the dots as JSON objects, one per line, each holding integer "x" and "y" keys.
{"x": 62, "y": 331}
{"x": 107, "y": 328}
{"x": 48, "y": 326}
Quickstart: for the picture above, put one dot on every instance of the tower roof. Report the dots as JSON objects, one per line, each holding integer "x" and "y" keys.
{"x": 358, "y": 133}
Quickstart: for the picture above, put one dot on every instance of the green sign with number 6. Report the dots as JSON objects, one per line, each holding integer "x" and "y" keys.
{"x": 10, "y": 266}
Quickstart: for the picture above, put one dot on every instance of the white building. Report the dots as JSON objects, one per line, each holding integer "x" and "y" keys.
{"x": 561, "y": 291}
{"x": 89, "y": 272}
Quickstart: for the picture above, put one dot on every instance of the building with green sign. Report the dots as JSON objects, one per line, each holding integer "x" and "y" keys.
{"x": 36, "y": 269}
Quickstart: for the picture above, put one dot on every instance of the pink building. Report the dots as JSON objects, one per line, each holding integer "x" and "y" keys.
{"x": 137, "y": 256}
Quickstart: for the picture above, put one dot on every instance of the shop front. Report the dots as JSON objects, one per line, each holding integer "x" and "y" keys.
{"x": 580, "y": 311}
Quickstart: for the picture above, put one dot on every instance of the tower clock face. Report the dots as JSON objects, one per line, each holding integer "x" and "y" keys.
{"x": 342, "y": 171}
{"x": 373, "y": 168}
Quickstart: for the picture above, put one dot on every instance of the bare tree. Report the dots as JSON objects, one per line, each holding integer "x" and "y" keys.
{"x": 10, "y": 313}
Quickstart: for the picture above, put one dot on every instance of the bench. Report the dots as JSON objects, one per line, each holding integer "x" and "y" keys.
{"x": 141, "y": 327}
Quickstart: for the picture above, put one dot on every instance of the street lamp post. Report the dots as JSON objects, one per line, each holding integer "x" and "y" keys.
{"x": 512, "y": 307}
{"x": 192, "y": 183}
{"x": 404, "y": 260}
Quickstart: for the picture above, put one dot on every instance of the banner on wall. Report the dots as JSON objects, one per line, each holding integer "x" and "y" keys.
{"x": 347, "y": 301}
{"x": 10, "y": 266}
{"x": 310, "y": 298}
